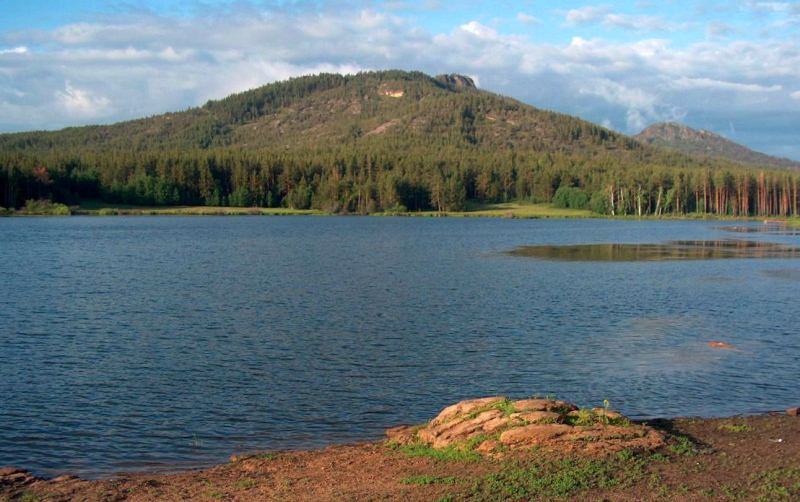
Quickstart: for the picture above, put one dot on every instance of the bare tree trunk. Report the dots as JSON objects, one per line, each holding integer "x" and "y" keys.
{"x": 613, "y": 211}
{"x": 658, "y": 200}
{"x": 639, "y": 200}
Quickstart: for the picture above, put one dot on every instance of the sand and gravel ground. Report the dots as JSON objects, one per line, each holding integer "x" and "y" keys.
{"x": 740, "y": 458}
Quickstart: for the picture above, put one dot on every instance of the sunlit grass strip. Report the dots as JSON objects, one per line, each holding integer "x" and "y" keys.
{"x": 192, "y": 211}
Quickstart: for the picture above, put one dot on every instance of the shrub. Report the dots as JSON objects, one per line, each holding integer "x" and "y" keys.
{"x": 599, "y": 203}
{"x": 570, "y": 197}
{"x": 397, "y": 208}
{"x": 45, "y": 207}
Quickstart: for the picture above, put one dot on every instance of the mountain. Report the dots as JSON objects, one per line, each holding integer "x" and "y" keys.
{"x": 328, "y": 110}
{"x": 706, "y": 143}
{"x": 377, "y": 141}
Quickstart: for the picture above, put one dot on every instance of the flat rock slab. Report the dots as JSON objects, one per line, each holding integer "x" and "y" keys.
{"x": 11, "y": 477}
{"x": 493, "y": 425}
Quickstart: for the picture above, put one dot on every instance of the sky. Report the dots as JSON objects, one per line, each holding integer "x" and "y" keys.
{"x": 731, "y": 67}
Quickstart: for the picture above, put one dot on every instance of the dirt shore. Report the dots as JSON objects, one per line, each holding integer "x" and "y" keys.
{"x": 737, "y": 458}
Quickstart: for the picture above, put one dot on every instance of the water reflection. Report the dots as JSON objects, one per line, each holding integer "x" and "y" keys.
{"x": 663, "y": 346}
{"x": 671, "y": 250}
{"x": 771, "y": 229}
{"x": 787, "y": 274}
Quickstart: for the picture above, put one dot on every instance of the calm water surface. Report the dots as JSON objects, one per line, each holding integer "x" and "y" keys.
{"x": 133, "y": 343}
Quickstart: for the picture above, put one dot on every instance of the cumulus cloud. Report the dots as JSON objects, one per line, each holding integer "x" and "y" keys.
{"x": 81, "y": 103}
{"x": 135, "y": 65}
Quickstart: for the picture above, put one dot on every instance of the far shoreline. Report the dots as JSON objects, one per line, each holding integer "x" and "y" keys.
{"x": 511, "y": 210}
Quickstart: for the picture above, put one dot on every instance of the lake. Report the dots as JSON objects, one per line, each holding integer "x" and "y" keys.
{"x": 131, "y": 343}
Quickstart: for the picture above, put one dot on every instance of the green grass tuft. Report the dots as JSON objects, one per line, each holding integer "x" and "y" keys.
{"x": 778, "y": 484}
{"x": 426, "y": 479}
{"x": 452, "y": 453}
{"x": 506, "y": 406}
{"x": 586, "y": 417}
{"x": 735, "y": 428}
{"x": 27, "y": 496}
{"x": 683, "y": 446}
{"x": 545, "y": 480}
{"x": 245, "y": 484}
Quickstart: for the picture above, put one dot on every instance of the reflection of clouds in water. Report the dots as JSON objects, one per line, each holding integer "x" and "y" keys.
{"x": 662, "y": 345}
{"x": 789, "y": 274}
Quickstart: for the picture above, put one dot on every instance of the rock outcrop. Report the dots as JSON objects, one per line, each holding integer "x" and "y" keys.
{"x": 493, "y": 425}
{"x": 13, "y": 478}
{"x": 456, "y": 82}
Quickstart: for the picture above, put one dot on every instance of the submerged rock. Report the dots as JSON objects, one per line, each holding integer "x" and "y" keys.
{"x": 720, "y": 345}
{"x": 496, "y": 424}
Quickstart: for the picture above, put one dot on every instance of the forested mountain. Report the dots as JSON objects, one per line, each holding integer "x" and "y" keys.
{"x": 376, "y": 141}
{"x": 326, "y": 110}
{"x": 706, "y": 143}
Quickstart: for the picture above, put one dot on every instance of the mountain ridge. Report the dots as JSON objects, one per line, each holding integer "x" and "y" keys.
{"x": 701, "y": 142}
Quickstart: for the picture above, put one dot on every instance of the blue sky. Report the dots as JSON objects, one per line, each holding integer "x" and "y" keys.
{"x": 732, "y": 66}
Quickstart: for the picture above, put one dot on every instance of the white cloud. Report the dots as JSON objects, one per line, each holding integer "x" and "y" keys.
{"x": 710, "y": 83}
{"x": 639, "y": 23}
{"x": 479, "y": 30}
{"x": 602, "y": 14}
{"x": 81, "y": 103}
{"x": 770, "y": 6}
{"x": 795, "y": 95}
{"x": 15, "y": 50}
{"x": 527, "y": 18}
{"x": 585, "y": 15}
{"x": 639, "y": 104}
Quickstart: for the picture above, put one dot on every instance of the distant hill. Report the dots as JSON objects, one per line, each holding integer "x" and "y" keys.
{"x": 706, "y": 143}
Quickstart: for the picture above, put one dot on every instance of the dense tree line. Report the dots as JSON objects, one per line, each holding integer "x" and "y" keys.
{"x": 345, "y": 181}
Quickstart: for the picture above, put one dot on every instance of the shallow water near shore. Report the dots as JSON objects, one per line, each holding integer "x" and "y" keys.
{"x": 151, "y": 342}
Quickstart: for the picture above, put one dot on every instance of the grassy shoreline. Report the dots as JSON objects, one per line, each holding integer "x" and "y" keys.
{"x": 511, "y": 210}
{"x": 736, "y": 458}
